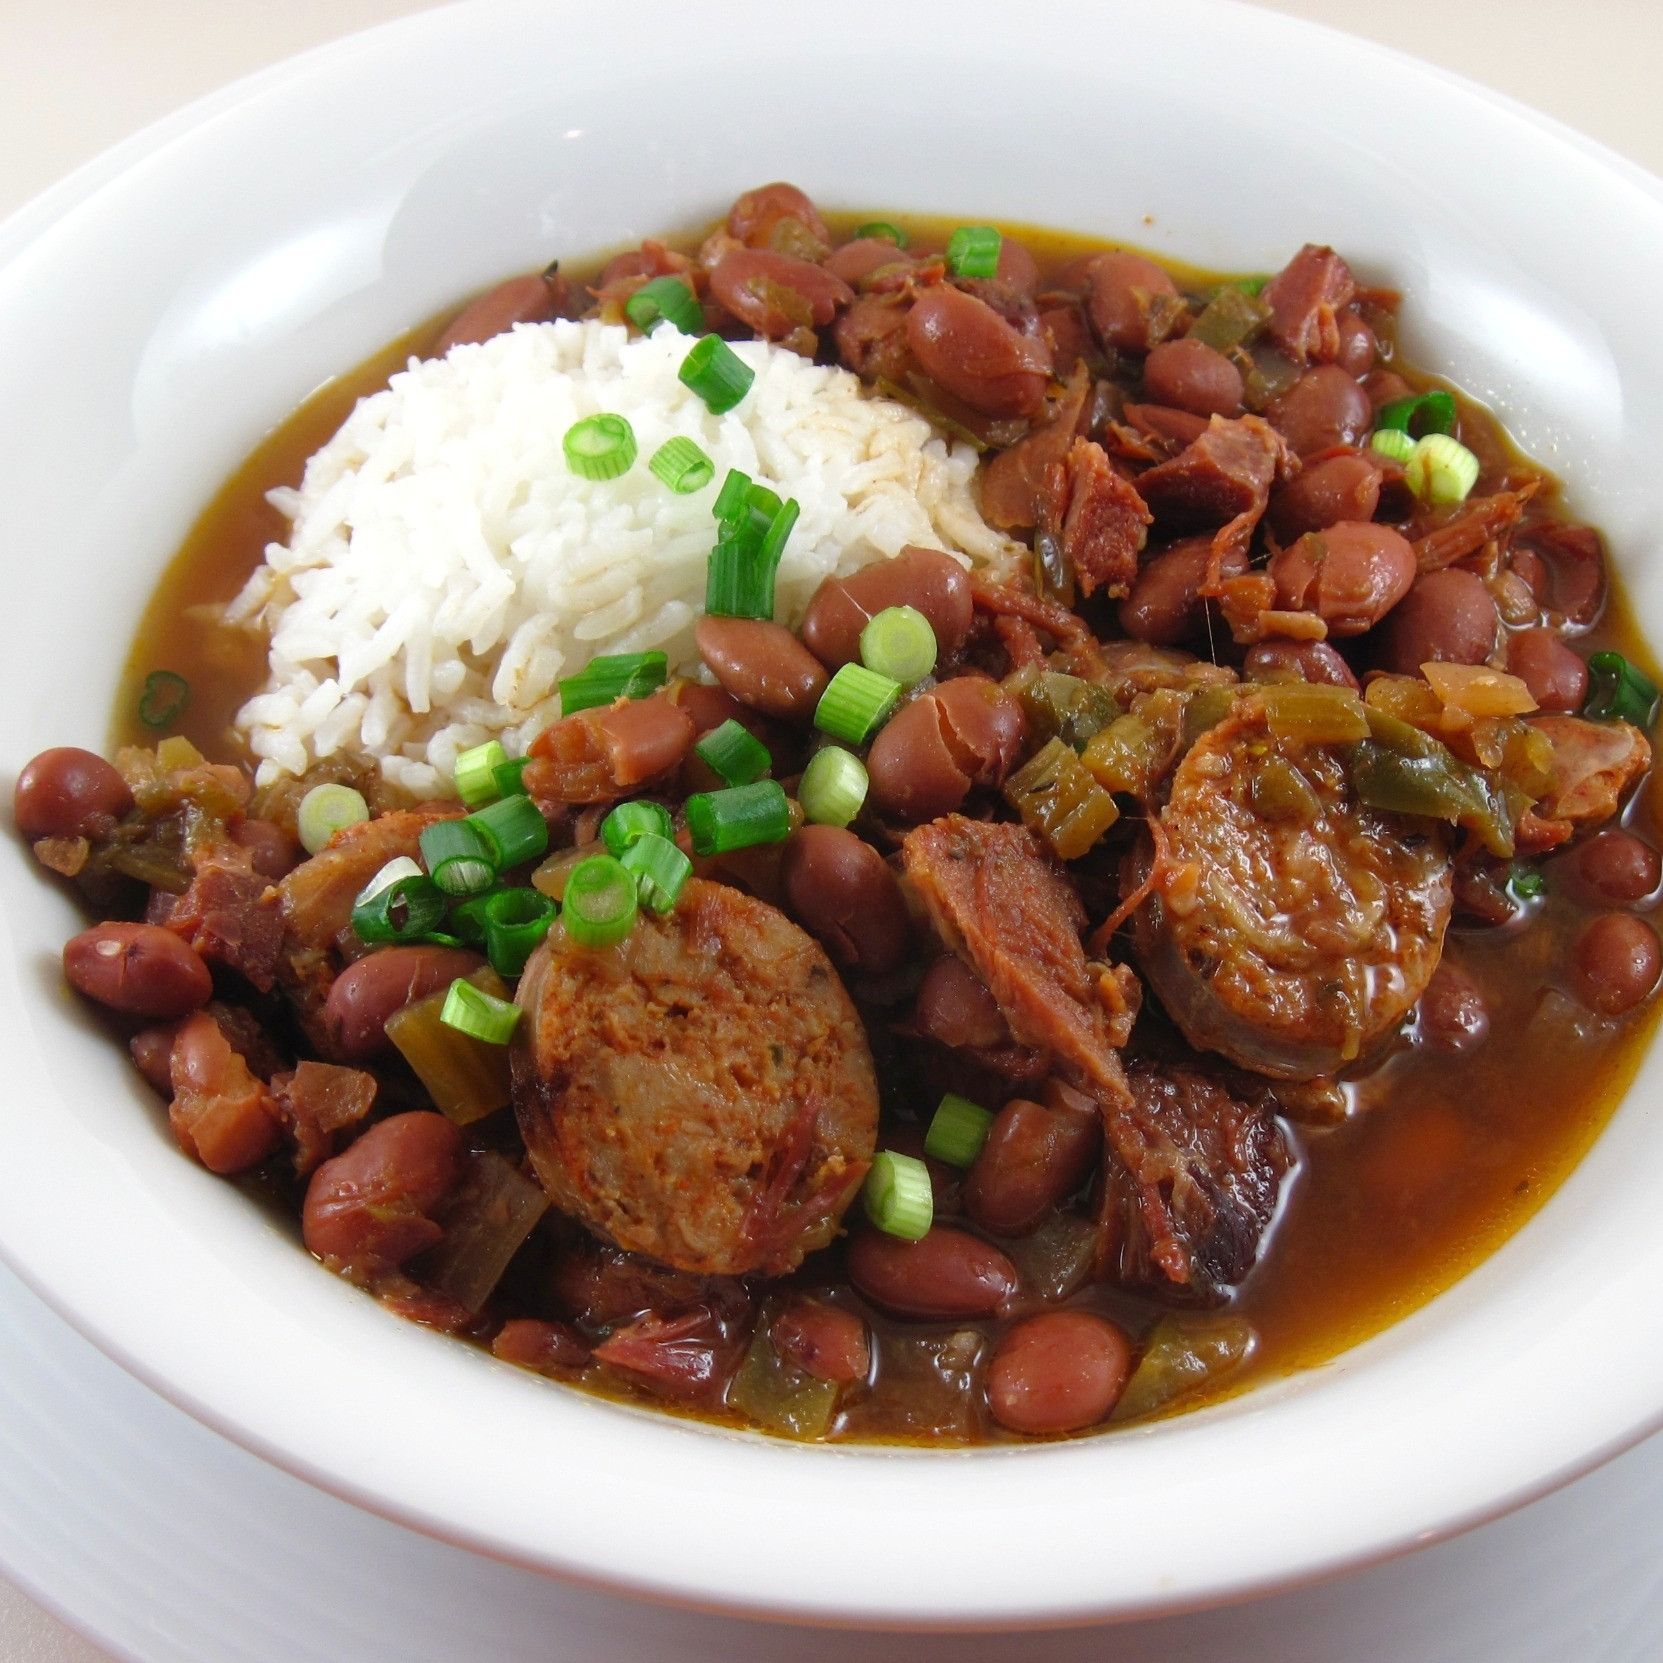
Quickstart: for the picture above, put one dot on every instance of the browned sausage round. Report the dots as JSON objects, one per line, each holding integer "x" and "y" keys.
{"x": 519, "y": 300}
{"x": 1121, "y": 288}
{"x": 271, "y": 851}
{"x": 1555, "y": 674}
{"x": 1453, "y": 1015}
{"x": 1448, "y": 617}
{"x": 1034, "y": 1158}
{"x": 762, "y": 664}
{"x": 955, "y": 1008}
{"x": 1061, "y": 1371}
{"x": 1350, "y": 575}
{"x": 912, "y": 771}
{"x": 1340, "y": 488}
{"x": 382, "y": 983}
{"x": 1190, "y": 375}
{"x": 1616, "y": 962}
{"x": 1619, "y": 865}
{"x": 946, "y": 1276}
{"x": 777, "y": 293}
{"x": 963, "y": 345}
{"x": 1323, "y": 407}
{"x": 823, "y": 1340}
{"x": 929, "y": 580}
{"x": 68, "y": 792}
{"x": 1164, "y": 606}
{"x": 138, "y": 968}
{"x": 844, "y": 894}
{"x": 1313, "y": 661}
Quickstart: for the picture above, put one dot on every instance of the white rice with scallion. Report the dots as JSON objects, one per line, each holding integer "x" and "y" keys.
{"x": 446, "y": 568}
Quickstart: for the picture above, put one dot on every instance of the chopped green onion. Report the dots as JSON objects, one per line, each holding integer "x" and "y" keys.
{"x": 408, "y": 908}
{"x": 717, "y": 373}
{"x": 753, "y": 525}
{"x": 163, "y": 698}
{"x": 613, "y": 676}
{"x": 855, "y": 701}
{"x": 833, "y": 786}
{"x": 510, "y": 777}
{"x": 880, "y": 230}
{"x": 682, "y": 466}
{"x": 773, "y": 542}
{"x": 721, "y": 821}
{"x": 1392, "y": 442}
{"x": 1524, "y": 882}
{"x": 731, "y": 500}
{"x": 957, "y": 1131}
{"x": 476, "y": 773}
{"x": 735, "y": 754}
{"x": 600, "y": 447}
{"x": 516, "y": 920}
{"x": 1441, "y": 469}
{"x": 660, "y": 870}
{"x": 1252, "y": 287}
{"x": 898, "y": 1196}
{"x": 325, "y": 810}
{"x": 458, "y": 856}
{"x": 899, "y": 643}
{"x": 1419, "y": 415}
{"x": 973, "y": 251}
{"x": 1618, "y": 692}
{"x": 475, "y": 1013}
{"x": 514, "y": 831}
{"x": 467, "y": 918}
{"x": 629, "y": 822}
{"x": 665, "y": 300}
{"x": 401, "y": 866}
{"x": 600, "y": 902}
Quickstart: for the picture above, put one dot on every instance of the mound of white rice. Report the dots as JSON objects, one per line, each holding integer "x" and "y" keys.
{"x": 446, "y": 567}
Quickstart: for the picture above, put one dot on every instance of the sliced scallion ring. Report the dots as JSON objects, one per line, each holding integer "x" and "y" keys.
{"x": 599, "y": 906}
{"x": 325, "y": 810}
{"x": 855, "y": 701}
{"x": 629, "y": 822}
{"x": 880, "y": 230}
{"x": 163, "y": 698}
{"x": 833, "y": 787}
{"x": 409, "y": 908}
{"x": 1392, "y": 442}
{"x": 899, "y": 643}
{"x": 1420, "y": 414}
{"x": 600, "y": 447}
{"x": 898, "y": 1197}
{"x": 958, "y": 1129}
{"x": 973, "y": 251}
{"x": 738, "y": 818}
{"x": 476, "y": 773}
{"x": 401, "y": 866}
{"x": 515, "y": 922}
{"x": 1619, "y": 692}
{"x": 735, "y": 754}
{"x": 682, "y": 466}
{"x": 660, "y": 870}
{"x": 717, "y": 373}
{"x": 514, "y": 831}
{"x": 458, "y": 856}
{"x": 1440, "y": 470}
{"x": 471, "y": 1011}
{"x": 612, "y": 676}
{"x": 665, "y": 300}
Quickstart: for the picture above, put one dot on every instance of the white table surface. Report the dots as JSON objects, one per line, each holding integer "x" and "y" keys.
{"x": 77, "y": 75}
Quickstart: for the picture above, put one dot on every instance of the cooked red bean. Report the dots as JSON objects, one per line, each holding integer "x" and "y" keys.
{"x": 955, "y": 1007}
{"x": 964, "y": 346}
{"x": 753, "y": 217}
{"x": 1448, "y": 617}
{"x": 142, "y": 969}
{"x": 841, "y": 890}
{"x": 553, "y": 1348}
{"x": 762, "y": 664}
{"x": 1619, "y": 865}
{"x": 1351, "y": 575}
{"x": 984, "y": 726}
{"x": 519, "y": 300}
{"x": 927, "y": 580}
{"x": 382, "y": 983}
{"x": 1453, "y": 1015}
{"x": 1556, "y": 675}
{"x": 1357, "y": 344}
{"x": 152, "y": 1052}
{"x": 1340, "y": 488}
{"x": 370, "y": 1208}
{"x": 777, "y": 293}
{"x": 1386, "y": 387}
{"x": 1616, "y": 962}
{"x": 1121, "y": 288}
{"x": 597, "y": 756}
{"x": 823, "y": 1340}
{"x": 68, "y": 792}
{"x": 1164, "y": 606}
{"x": 1059, "y": 1372}
{"x": 855, "y": 261}
{"x": 1034, "y": 1159}
{"x": 1324, "y": 407}
{"x": 271, "y": 851}
{"x": 946, "y": 1276}
{"x": 222, "y": 1114}
{"x": 1190, "y": 375}
{"x": 913, "y": 772}
{"x": 1313, "y": 661}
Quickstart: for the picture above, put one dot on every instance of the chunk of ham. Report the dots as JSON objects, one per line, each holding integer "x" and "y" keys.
{"x": 222, "y": 1114}
{"x": 1098, "y": 517}
{"x": 229, "y": 914}
{"x": 1304, "y": 298}
{"x": 1594, "y": 764}
{"x": 1221, "y": 479}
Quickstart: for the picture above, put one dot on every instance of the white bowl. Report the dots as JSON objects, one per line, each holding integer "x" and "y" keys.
{"x": 164, "y": 308}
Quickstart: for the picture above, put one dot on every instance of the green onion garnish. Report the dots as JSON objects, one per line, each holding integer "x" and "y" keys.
{"x": 973, "y": 251}
{"x": 629, "y": 822}
{"x": 1424, "y": 413}
{"x": 957, "y": 1131}
{"x": 1393, "y": 442}
{"x": 735, "y": 754}
{"x": 325, "y": 810}
{"x": 733, "y": 497}
{"x": 1524, "y": 882}
{"x": 458, "y": 856}
{"x": 400, "y": 866}
{"x": 1618, "y": 692}
{"x": 410, "y": 907}
{"x": 467, "y": 918}
{"x": 739, "y": 817}
{"x": 899, "y": 643}
{"x": 855, "y": 701}
{"x": 163, "y": 698}
{"x": 600, "y": 903}
{"x": 716, "y": 373}
{"x": 833, "y": 786}
{"x": 752, "y": 528}
{"x": 665, "y": 300}
{"x": 1440, "y": 469}
{"x": 515, "y": 920}
{"x": 476, "y": 773}
{"x": 773, "y": 542}
{"x": 682, "y": 466}
{"x": 600, "y": 447}
{"x": 613, "y": 676}
{"x": 478, "y": 1015}
{"x": 1249, "y": 286}
{"x": 898, "y": 1196}
{"x": 659, "y": 869}
{"x": 882, "y": 231}
{"x": 514, "y": 831}
{"x": 510, "y": 777}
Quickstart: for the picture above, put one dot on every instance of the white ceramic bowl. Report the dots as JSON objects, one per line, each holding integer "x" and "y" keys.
{"x": 165, "y": 307}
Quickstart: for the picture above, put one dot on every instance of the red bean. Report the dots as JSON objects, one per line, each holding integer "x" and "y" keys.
{"x": 1033, "y": 1159}
{"x": 271, "y": 851}
{"x": 946, "y": 1276}
{"x": 1058, "y": 1372}
{"x": 912, "y": 772}
{"x": 1616, "y": 963}
{"x": 762, "y": 664}
{"x": 1357, "y": 344}
{"x": 68, "y": 792}
{"x": 1453, "y": 1015}
{"x": 552, "y": 1348}
{"x": 872, "y": 338}
{"x": 1190, "y": 375}
{"x": 984, "y": 726}
{"x": 855, "y": 261}
{"x": 928, "y": 580}
{"x": 1555, "y": 674}
{"x": 1340, "y": 488}
{"x": 379, "y": 985}
{"x": 954, "y": 1007}
{"x": 1120, "y": 289}
{"x": 753, "y": 217}
{"x": 1324, "y": 407}
{"x": 1350, "y": 575}
{"x": 152, "y": 1052}
{"x": 1386, "y": 387}
{"x": 777, "y": 293}
{"x": 519, "y": 300}
{"x": 370, "y": 1208}
{"x": 1448, "y": 617}
{"x": 964, "y": 346}
{"x": 138, "y": 968}
{"x": 841, "y": 890}
{"x": 597, "y": 756}
{"x": 1312, "y": 661}
{"x": 823, "y": 1340}
{"x": 1164, "y": 606}
{"x": 1619, "y": 865}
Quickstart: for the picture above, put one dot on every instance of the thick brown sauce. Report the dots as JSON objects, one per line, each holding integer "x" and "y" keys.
{"x": 1447, "y": 1156}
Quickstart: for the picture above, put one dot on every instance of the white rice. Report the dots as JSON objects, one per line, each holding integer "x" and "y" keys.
{"x": 445, "y": 567}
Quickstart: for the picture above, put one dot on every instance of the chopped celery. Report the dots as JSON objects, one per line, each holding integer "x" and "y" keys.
{"x": 1058, "y": 798}
{"x": 1230, "y": 319}
{"x": 1206, "y": 708}
{"x": 1308, "y": 714}
{"x": 1280, "y": 792}
{"x": 1063, "y": 707}
{"x": 779, "y": 1396}
{"x": 1126, "y": 755}
{"x": 494, "y": 1211}
{"x": 1183, "y": 1354}
{"x": 466, "y": 1078}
